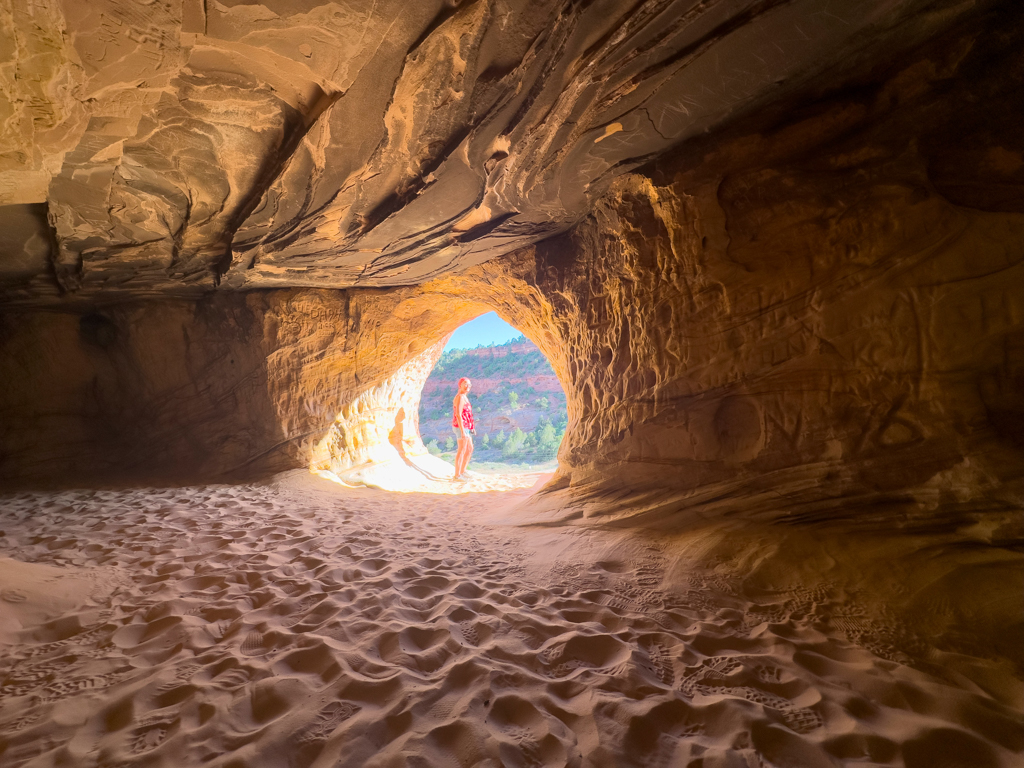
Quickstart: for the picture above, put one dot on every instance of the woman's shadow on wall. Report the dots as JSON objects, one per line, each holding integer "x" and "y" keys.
{"x": 397, "y": 439}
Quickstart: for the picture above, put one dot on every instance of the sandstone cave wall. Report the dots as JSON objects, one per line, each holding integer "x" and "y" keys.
{"x": 825, "y": 314}
{"x": 382, "y": 423}
{"x": 777, "y": 341}
{"x": 710, "y": 348}
{"x": 819, "y": 311}
{"x": 850, "y": 335}
{"x": 131, "y": 392}
{"x": 232, "y": 386}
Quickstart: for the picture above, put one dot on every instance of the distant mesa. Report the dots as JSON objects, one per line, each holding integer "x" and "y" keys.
{"x": 501, "y": 373}
{"x": 531, "y": 369}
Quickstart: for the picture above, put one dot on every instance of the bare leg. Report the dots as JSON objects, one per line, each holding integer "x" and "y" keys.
{"x": 460, "y": 464}
{"x": 463, "y": 454}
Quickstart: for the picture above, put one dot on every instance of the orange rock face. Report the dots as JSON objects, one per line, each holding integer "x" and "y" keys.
{"x": 819, "y": 303}
{"x": 774, "y": 252}
{"x": 381, "y": 422}
{"x": 182, "y": 147}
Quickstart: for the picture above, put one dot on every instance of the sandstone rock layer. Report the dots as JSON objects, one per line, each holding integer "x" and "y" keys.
{"x": 816, "y": 308}
{"x": 180, "y": 145}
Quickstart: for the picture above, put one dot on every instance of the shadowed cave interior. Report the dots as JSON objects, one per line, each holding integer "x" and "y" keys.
{"x": 774, "y": 253}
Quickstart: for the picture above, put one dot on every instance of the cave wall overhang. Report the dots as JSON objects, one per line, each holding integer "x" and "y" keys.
{"x": 174, "y": 148}
{"x": 821, "y": 318}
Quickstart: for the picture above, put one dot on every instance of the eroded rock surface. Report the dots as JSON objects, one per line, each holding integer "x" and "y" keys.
{"x": 819, "y": 302}
{"x": 233, "y": 385}
{"x": 179, "y": 145}
{"x": 381, "y": 424}
{"x": 774, "y": 252}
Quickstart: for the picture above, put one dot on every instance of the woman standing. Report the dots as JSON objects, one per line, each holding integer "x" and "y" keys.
{"x": 463, "y": 427}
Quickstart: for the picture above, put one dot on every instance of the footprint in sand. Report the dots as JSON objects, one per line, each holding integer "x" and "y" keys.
{"x": 311, "y": 602}
{"x": 525, "y": 753}
{"x": 635, "y": 600}
{"x": 150, "y": 735}
{"x": 63, "y": 688}
{"x": 24, "y": 681}
{"x": 802, "y": 720}
{"x": 255, "y": 644}
{"x": 719, "y": 675}
{"x": 25, "y": 721}
{"x": 327, "y": 721}
{"x": 316, "y": 617}
{"x": 646, "y": 573}
{"x": 469, "y": 633}
{"x": 522, "y": 730}
{"x": 772, "y": 614}
{"x": 767, "y": 673}
{"x": 661, "y": 664}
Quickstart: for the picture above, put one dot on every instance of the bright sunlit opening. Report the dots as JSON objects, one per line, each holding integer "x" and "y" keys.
{"x": 401, "y": 435}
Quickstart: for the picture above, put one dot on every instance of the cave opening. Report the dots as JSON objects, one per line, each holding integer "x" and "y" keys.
{"x": 517, "y": 400}
{"x": 399, "y": 435}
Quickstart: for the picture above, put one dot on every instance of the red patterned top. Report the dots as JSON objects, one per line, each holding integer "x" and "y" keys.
{"x": 467, "y": 416}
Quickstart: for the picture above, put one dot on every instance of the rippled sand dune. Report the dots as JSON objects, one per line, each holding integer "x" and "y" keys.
{"x": 307, "y": 624}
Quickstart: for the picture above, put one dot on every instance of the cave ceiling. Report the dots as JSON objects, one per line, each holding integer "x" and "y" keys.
{"x": 174, "y": 146}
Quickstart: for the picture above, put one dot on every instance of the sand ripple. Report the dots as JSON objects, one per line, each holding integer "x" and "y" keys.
{"x": 289, "y": 626}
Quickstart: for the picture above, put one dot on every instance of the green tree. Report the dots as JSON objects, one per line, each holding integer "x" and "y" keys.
{"x": 547, "y": 441}
{"x": 513, "y": 400}
{"x": 546, "y": 438}
{"x": 432, "y": 448}
{"x": 514, "y": 445}
{"x": 486, "y": 441}
{"x": 499, "y": 439}
{"x": 544, "y": 403}
{"x": 449, "y": 444}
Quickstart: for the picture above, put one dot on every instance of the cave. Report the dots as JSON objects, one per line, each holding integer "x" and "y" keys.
{"x": 773, "y": 251}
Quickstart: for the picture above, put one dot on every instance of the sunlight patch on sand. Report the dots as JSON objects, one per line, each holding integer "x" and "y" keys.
{"x": 429, "y": 474}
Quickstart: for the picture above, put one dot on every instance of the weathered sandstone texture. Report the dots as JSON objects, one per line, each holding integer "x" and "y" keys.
{"x": 382, "y": 423}
{"x": 817, "y": 308}
{"x": 179, "y": 145}
{"x": 230, "y": 386}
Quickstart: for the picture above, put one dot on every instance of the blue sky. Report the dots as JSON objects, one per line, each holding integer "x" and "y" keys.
{"x": 486, "y": 329}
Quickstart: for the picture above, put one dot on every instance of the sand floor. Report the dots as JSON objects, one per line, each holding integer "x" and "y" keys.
{"x": 302, "y": 623}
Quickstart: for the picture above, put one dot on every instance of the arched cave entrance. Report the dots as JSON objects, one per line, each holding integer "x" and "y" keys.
{"x": 518, "y": 401}
{"x": 397, "y": 436}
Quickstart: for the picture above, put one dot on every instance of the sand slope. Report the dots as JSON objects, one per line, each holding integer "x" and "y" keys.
{"x": 305, "y": 624}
